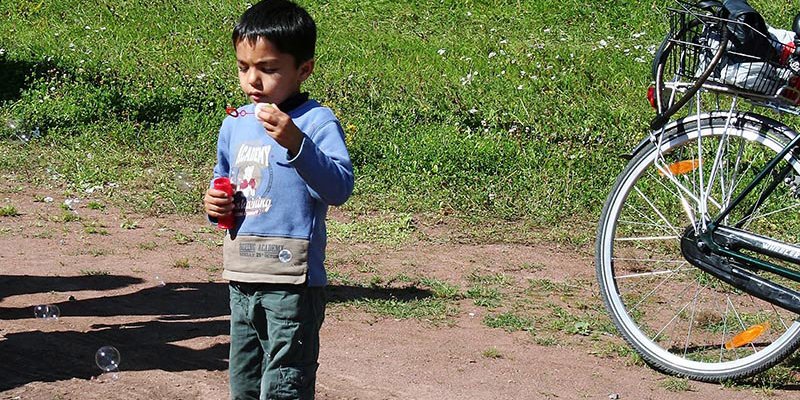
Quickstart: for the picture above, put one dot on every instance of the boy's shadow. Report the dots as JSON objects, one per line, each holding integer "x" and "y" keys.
{"x": 181, "y": 311}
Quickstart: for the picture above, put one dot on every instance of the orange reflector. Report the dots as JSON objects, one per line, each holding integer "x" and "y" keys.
{"x": 748, "y": 336}
{"x": 681, "y": 167}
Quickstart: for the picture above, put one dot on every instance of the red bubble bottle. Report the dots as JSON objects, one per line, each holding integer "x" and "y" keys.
{"x": 224, "y": 184}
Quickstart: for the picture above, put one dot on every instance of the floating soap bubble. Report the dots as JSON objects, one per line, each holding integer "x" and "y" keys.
{"x": 46, "y": 311}
{"x": 160, "y": 282}
{"x": 183, "y": 180}
{"x": 16, "y": 130}
{"x": 285, "y": 255}
{"x": 107, "y": 358}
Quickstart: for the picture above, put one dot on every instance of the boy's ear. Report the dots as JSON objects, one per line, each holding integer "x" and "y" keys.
{"x": 306, "y": 69}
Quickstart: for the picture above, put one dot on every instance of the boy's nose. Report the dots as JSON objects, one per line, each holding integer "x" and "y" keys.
{"x": 252, "y": 77}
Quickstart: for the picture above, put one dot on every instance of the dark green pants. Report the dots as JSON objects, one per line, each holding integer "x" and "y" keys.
{"x": 274, "y": 340}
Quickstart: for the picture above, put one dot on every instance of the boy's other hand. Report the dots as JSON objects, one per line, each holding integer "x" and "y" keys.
{"x": 280, "y": 127}
{"x": 217, "y": 203}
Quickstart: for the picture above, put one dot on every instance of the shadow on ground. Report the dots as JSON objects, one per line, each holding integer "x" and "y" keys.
{"x": 179, "y": 311}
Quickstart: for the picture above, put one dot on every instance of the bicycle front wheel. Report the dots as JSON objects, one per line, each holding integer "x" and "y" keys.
{"x": 681, "y": 320}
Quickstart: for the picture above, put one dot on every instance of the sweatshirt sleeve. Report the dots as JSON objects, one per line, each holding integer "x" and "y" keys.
{"x": 222, "y": 167}
{"x": 324, "y": 163}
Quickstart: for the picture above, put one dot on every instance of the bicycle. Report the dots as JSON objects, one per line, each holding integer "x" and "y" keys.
{"x": 697, "y": 252}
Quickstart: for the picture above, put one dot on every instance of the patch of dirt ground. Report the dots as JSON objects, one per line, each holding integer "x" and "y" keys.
{"x": 152, "y": 288}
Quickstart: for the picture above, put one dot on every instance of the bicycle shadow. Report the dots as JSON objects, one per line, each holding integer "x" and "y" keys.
{"x": 180, "y": 311}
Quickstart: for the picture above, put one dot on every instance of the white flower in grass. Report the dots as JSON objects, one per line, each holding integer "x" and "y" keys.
{"x": 468, "y": 79}
{"x": 441, "y": 52}
{"x": 546, "y": 30}
{"x": 640, "y": 60}
{"x": 504, "y": 41}
{"x": 603, "y": 43}
{"x": 638, "y": 35}
{"x": 492, "y": 54}
{"x": 519, "y": 87}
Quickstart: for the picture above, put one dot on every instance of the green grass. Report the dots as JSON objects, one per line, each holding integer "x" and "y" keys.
{"x": 487, "y": 109}
{"x": 8, "y": 211}
{"x": 509, "y": 321}
{"x": 427, "y": 309}
{"x": 94, "y": 272}
{"x": 492, "y": 353}
{"x": 673, "y": 384}
{"x": 390, "y": 229}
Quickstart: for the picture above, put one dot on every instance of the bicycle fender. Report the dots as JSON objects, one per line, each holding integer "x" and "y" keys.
{"x": 746, "y": 116}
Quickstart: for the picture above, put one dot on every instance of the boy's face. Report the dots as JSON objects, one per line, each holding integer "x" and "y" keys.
{"x": 266, "y": 75}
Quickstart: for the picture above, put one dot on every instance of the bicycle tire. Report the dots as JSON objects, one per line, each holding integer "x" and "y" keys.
{"x": 643, "y": 275}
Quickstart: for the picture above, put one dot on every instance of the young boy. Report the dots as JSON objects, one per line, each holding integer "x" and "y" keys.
{"x": 286, "y": 156}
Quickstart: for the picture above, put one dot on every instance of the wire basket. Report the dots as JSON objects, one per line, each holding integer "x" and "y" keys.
{"x": 695, "y": 38}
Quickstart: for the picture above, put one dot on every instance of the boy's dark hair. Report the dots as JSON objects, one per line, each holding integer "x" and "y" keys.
{"x": 285, "y": 24}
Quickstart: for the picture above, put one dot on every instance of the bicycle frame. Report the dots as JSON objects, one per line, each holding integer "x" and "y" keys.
{"x": 723, "y": 240}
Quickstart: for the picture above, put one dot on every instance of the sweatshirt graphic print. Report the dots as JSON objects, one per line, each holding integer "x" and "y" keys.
{"x": 281, "y": 201}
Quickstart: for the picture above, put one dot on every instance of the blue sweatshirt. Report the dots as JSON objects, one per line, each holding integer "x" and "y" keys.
{"x": 281, "y": 200}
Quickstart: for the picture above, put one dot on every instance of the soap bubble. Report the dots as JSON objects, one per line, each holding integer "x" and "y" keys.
{"x": 14, "y": 129}
{"x": 285, "y": 255}
{"x": 160, "y": 282}
{"x": 107, "y": 358}
{"x": 183, "y": 180}
{"x": 46, "y": 311}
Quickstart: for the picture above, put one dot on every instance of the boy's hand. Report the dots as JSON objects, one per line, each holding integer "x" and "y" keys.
{"x": 217, "y": 203}
{"x": 280, "y": 127}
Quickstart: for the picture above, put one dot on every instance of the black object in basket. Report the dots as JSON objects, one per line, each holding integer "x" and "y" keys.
{"x": 751, "y": 63}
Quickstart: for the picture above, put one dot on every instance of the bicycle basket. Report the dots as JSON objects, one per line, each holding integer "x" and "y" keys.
{"x": 745, "y": 69}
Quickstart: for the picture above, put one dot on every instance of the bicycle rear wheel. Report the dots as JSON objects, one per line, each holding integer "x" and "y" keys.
{"x": 677, "y": 317}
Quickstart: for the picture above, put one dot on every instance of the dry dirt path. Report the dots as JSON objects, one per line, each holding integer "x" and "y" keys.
{"x": 105, "y": 272}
